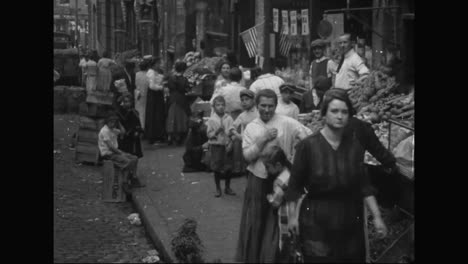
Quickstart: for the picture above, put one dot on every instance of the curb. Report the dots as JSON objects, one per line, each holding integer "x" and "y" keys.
{"x": 153, "y": 223}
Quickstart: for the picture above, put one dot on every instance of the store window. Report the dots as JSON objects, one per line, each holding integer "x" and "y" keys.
{"x": 64, "y": 2}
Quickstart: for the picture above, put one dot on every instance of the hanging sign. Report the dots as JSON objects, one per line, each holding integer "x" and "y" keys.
{"x": 275, "y": 19}
{"x": 305, "y": 21}
{"x": 293, "y": 23}
{"x": 284, "y": 15}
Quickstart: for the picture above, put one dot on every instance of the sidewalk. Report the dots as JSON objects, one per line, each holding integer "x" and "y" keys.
{"x": 170, "y": 196}
{"x": 86, "y": 229}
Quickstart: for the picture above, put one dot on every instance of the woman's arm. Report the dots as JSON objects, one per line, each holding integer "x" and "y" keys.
{"x": 296, "y": 185}
{"x": 251, "y": 148}
{"x": 379, "y": 224}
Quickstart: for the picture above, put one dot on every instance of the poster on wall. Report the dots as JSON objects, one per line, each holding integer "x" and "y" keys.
{"x": 284, "y": 15}
{"x": 293, "y": 23}
{"x": 275, "y": 19}
{"x": 305, "y": 22}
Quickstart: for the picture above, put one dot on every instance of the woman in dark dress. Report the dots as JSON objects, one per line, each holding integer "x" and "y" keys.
{"x": 129, "y": 118}
{"x": 130, "y": 142}
{"x": 329, "y": 165}
{"x": 179, "y": 109}
{"x": 155, "y": 104}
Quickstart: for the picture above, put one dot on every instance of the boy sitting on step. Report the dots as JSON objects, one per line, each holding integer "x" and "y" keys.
{"x": 109, "y": 147}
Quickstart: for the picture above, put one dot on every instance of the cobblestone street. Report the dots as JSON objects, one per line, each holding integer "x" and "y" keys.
{"x": 85, "y": 228}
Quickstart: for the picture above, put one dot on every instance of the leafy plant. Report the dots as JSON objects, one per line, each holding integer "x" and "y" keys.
{"x": 186, "y": 245}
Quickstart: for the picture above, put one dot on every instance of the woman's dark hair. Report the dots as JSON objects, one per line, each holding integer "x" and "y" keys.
{"x": 268, "y": 93}
{"x": 338, "y": 94}
{"x": 220, "y": 64}
{"x": 180, "y": 66}
{"x": 144, "y": 65}
{"x": 235, "y": 74}
{"x": 93, "y": 55}
{"x": 124, "y": 96}
{"x": 110, "y": 117}
{"x": 255, "y": 72}
{"x": 274, "y": 154}
{"x": 153, "y": 61}
{"x": 232, "y": 58}
{"x": 106, "y": 54}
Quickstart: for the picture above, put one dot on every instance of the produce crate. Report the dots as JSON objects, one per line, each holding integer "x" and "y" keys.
{"x": 86, "y": 152}
{"x": 113, "y": 179}
{"x": 95, "y": 110}
{"x": 100, "y": 97}
{"x": 91, "y": 123}
{"x": 74, "y": 96}
{"x": 87, "y": 136}
{"x": 60, "y": 100}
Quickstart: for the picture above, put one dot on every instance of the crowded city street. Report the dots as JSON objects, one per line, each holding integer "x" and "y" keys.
{"x": 233, "y": 131}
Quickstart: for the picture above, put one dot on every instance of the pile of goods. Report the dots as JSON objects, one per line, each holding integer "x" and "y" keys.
{"x": 311, "y": 120}
{"x": 192, "y": 58}
{"x": 397, "y": 223}
{"x": 199, "y": 70}
{"x": 396, "y": 106}
{"x": 296, "y": 77}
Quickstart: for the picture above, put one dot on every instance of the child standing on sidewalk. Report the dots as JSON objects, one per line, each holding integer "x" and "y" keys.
{"x": 220, "y": 145}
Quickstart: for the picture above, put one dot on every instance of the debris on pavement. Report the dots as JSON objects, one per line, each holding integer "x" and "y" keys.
{"x": 195, "y": 182}
{"x": 134, "y": 219}
{"x": 150, "y": 259}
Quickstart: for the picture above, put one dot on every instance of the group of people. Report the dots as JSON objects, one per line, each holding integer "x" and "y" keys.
{"x": 148, "y": 105}
{"x": 314, "y": 186}
{"x": 311, "y": 186}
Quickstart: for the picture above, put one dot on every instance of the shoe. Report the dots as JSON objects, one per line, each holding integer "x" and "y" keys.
{"x": 136, "y": 183}
{"x": 229, "y": 191}
{"x": 218, "y": 193}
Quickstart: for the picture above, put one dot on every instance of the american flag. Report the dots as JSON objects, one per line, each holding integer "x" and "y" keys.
{"x": 250, "y": 39}
{"x": 284, "y": 44}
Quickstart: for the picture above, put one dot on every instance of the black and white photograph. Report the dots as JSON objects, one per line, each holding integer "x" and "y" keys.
{"x": 233, "y": 131}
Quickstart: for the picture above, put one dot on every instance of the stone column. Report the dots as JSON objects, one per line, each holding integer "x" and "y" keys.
{"x": 200, "y": 7}
{"x": 259, "y": 18}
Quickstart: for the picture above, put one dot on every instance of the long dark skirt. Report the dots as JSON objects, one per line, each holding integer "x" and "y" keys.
{"x": 177, "y": 119}
{"x": 332, "y": 231}
{"x": 269, "y": 251}
{"x": 155, "y": 122}
{"x": 252, "y": 226}
{"x": 132, "y": 145}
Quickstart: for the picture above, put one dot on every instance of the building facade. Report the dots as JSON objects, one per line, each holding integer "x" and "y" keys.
{"x": 68, "y": 13}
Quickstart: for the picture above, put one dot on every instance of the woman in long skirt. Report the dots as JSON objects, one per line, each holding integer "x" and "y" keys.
{"x": 179, "y": 109}
{"x": 329, "y": 165}
{"x": 155, "y": 104}
{"x": 104, "y": 72}
{"x": 92, "y": 72}
{"x": 141, "y": 91}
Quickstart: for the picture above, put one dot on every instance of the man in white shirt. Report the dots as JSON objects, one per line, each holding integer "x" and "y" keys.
{"x": 267, "y": 81}
{"x": 352, "y": 70}
{"x": 285, "y": 105}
